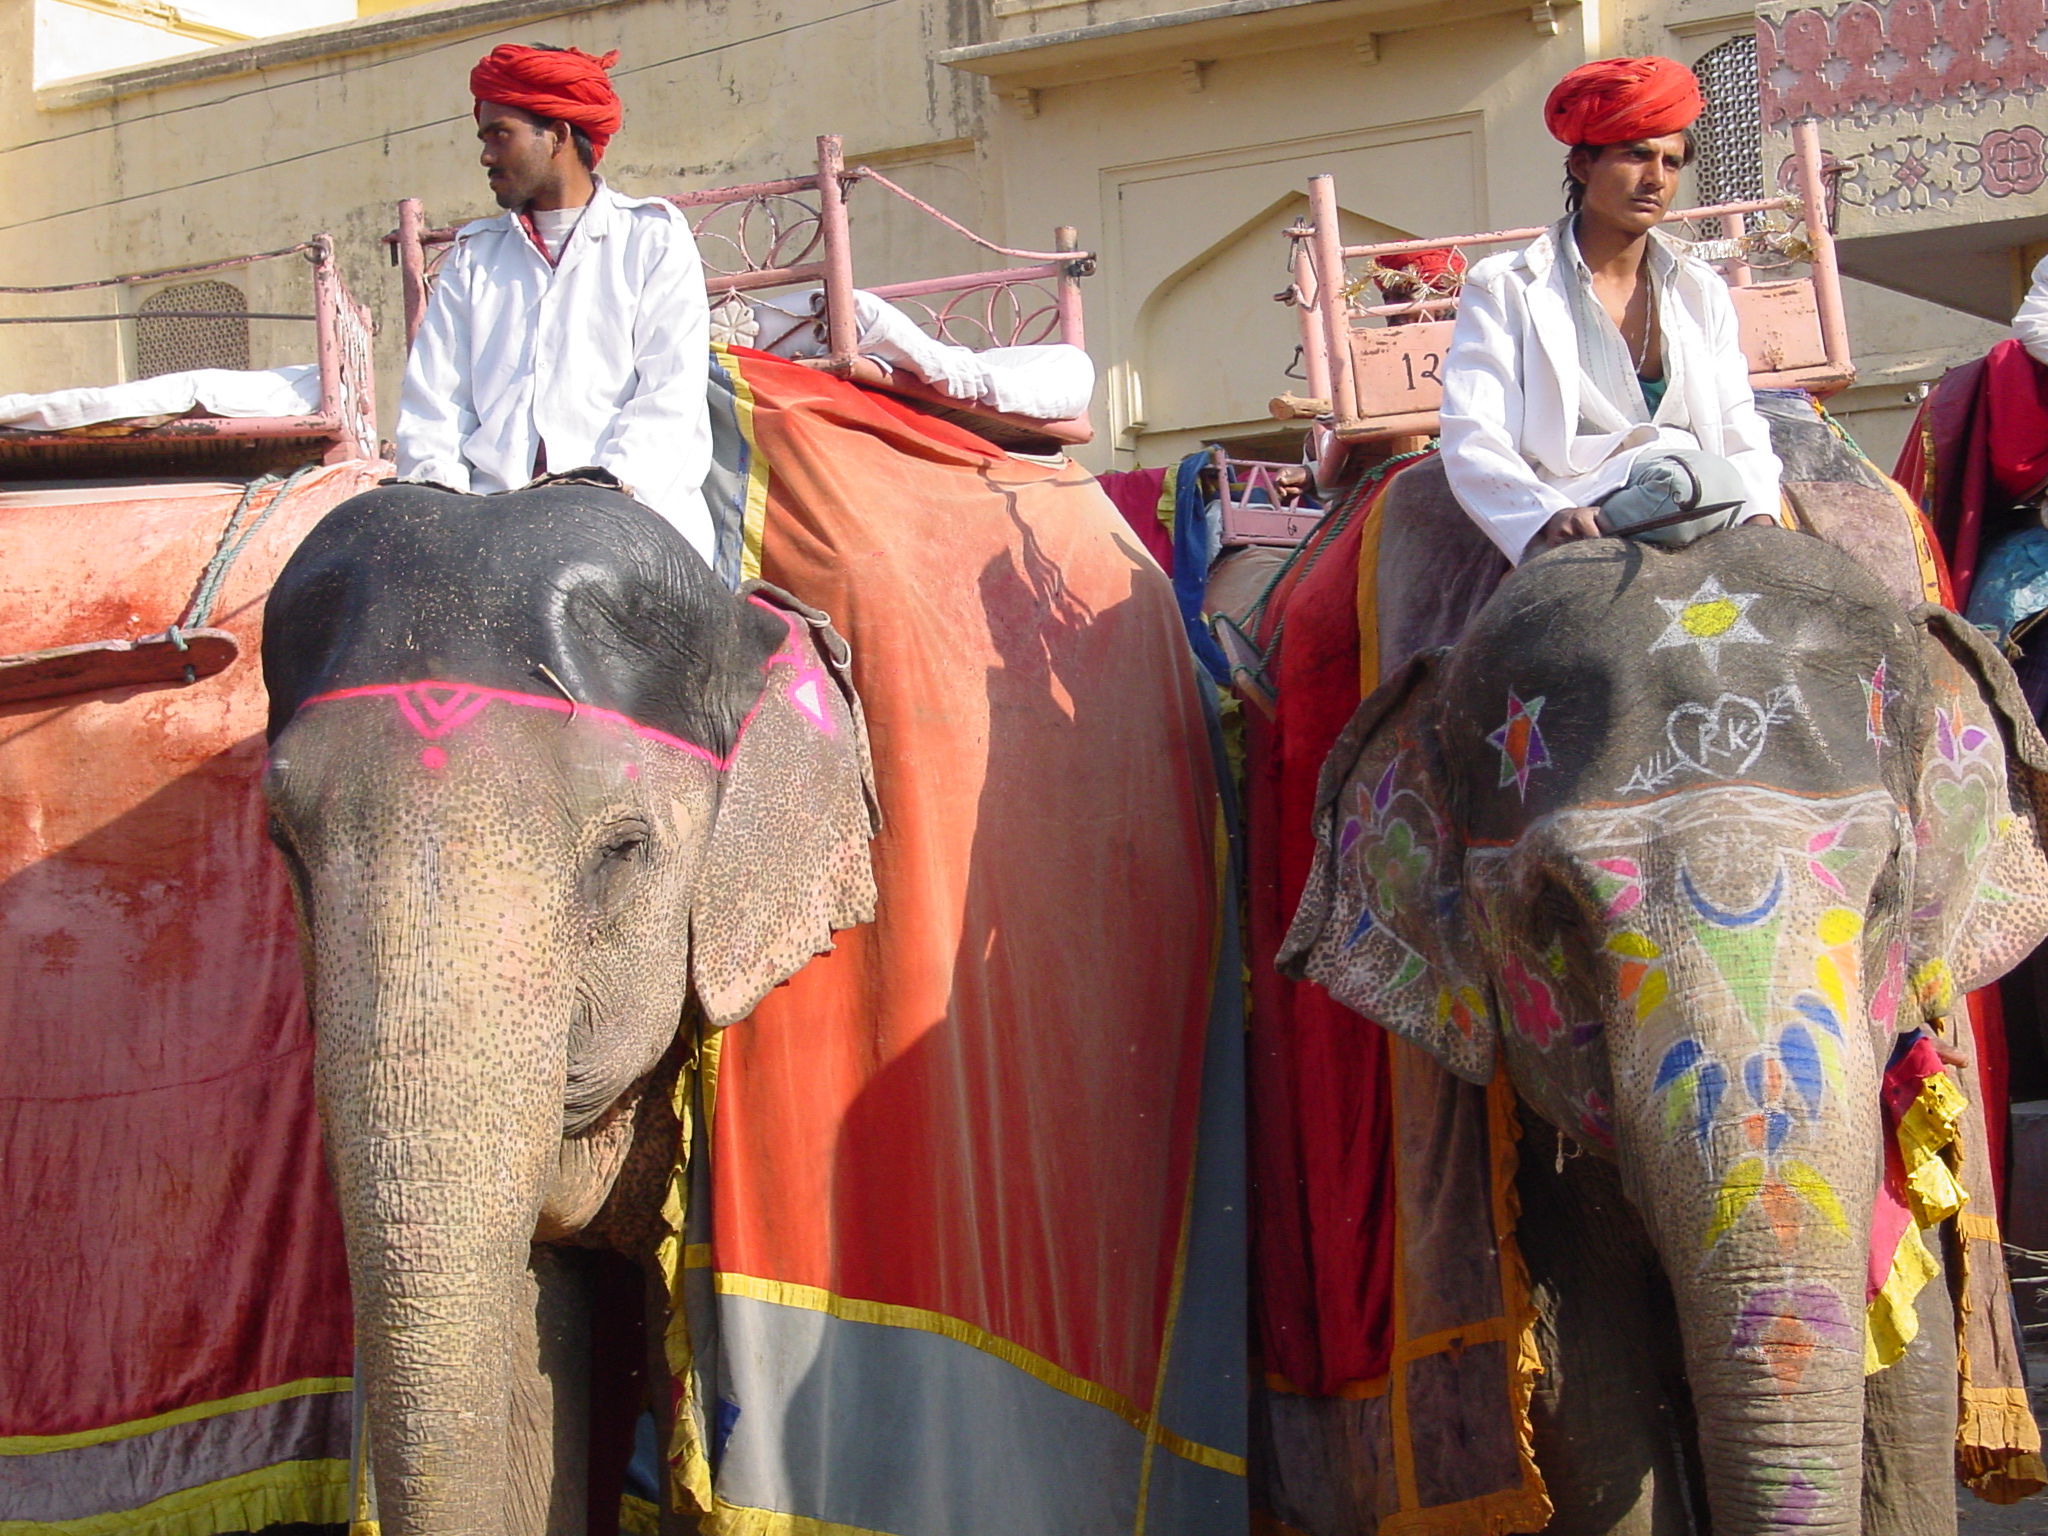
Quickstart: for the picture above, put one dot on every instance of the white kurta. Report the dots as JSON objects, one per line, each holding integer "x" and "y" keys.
{"x": 1513, "y": 445}
{"x": 600, "y": 359}
{"x": 2030, "y": 325}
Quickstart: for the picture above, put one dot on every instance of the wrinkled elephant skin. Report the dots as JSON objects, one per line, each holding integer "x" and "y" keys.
{"x": 1684, "y": 840}
{"x": 539, "y": 778}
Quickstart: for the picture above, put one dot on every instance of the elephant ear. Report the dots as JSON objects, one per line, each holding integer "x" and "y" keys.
{"x": 1980, "y": 879}
{"x": 1381, "y": 925}
{"x": 788, "y": 863}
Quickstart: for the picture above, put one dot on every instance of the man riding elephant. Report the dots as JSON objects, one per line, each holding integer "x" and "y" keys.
{"x": 571, "y": 331}
{"x": 1595, "y": 381}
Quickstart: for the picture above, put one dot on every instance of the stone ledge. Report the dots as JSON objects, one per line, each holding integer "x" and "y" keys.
{"x": 343, "y": 37}
{"x": 1134, "y": 44}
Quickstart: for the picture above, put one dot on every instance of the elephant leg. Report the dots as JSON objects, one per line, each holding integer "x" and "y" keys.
{"x": 1909, "y": 1424}
{"x": 1611, "y": 1417}
{"x": 548, "y": 1466}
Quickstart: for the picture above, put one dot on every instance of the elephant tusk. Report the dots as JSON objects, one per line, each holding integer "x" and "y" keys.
{"x": 547, "y": 673}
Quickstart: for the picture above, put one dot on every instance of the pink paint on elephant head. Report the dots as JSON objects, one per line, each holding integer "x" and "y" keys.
{"x": 436, "y": 710}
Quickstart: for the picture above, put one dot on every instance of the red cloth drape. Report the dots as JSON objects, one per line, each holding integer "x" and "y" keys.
{"x": 1980, "y": 444}
{"x": 1322, "y": 1206}
{"x": 1135, "y": 493}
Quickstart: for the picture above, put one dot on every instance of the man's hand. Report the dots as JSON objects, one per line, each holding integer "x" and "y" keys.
{"x": 1572, "y": 523}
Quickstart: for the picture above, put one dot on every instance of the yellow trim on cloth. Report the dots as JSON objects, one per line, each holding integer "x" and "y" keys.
{"x": 852, "y": 1309}
{"x": 1368, "y": 593}
{"x": 37, "y": 1445}
{"x": 754, "y": 523}
{"x": 289, "y": 1493}
{"x": 743, "y": 1520}
{"x": 1923, "y": 547}
{"x": 1523, "y": 1505}
{"x": 1929, "y": 1135}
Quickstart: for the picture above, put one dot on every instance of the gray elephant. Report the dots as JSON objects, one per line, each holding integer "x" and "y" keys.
{"x": 1685, "y": 842}
{"x": 541, "y": 781}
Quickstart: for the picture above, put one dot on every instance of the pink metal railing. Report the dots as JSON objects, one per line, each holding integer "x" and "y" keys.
{"x": 347, "y": 417}
{"x": 1278, "y": 520}
{"x": 794, "y": 230}
{"x": 1329, "y": 316}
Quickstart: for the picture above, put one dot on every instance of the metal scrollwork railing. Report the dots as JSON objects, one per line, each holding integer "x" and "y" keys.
{"x": 1008, "y": 314}
{"x": 761, "y": 233}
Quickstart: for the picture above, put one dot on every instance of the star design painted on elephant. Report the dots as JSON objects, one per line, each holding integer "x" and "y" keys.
{"x": 1520, "y": 743}
{"x": 1711, "y": 618}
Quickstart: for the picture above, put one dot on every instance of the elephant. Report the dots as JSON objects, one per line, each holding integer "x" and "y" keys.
{"x": 546, "y": 789}
{"x": 1684, "y": 842}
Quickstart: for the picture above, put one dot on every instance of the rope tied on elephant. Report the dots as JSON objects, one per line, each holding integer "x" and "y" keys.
{"x": 234, "y": 538}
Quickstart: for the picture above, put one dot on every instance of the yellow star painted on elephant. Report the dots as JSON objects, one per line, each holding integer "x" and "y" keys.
{"x": 1711, "y": 618}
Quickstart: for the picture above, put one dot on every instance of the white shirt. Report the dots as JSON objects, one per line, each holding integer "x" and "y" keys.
{"x": 1515, "y": 447}
{"x": 601, "y": 359}
{"x": 2030, "y": 325}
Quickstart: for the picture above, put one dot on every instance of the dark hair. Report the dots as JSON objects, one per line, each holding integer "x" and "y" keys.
{"x": 1575, "y": 189}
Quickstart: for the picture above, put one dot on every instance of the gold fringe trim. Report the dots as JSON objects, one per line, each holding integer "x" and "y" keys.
{"x": 1998, "y": 1445}
{"x": 1930, "y": 1149}
{"x": 289, "y": 1493}
{"x": 740, "y": 1520}
{"x": 1891, "y": 1322}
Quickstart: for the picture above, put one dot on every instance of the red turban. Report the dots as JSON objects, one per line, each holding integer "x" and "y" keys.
{"x": 1431, "y": 266}
{"x": 1618, "y": 101}
{"x": 554, "y": 83}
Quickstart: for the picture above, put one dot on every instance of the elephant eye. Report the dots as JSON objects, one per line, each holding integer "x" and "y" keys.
{"x": 625, "y": 846}
{"x": 1555, "y": 906}
{"x": 621, "y": 855}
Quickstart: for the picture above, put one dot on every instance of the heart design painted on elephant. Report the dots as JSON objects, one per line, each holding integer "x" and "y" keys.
{"x": 1726, "y": 737}
{"x": 1722, "y": 739}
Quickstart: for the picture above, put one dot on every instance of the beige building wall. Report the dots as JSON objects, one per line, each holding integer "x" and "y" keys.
{"x": 1178, "y": 138}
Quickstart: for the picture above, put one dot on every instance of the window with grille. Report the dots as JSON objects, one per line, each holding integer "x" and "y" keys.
{"x": 1729, "y": 167}
{"x": 177, "y": 329}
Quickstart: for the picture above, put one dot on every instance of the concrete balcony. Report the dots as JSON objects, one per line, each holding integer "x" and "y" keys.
{"x": 1042, "y": 43}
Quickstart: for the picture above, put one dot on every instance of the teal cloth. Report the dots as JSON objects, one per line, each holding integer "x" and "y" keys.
{"x": 1653, "y": 392}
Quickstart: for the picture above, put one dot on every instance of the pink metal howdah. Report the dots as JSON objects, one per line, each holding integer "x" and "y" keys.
{"x": 1375, "y": 370}
{"x": 1255, "y": 507}
{"x": 794, "y": 231}
{"x": 344, "y": 427}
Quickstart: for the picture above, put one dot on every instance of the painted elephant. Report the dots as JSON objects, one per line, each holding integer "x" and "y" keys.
{"x": 542, "y": 783}
{"x": 1683, "y": 841}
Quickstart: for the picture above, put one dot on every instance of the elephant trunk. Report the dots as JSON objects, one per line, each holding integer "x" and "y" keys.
{"x": 439, "y": 1062}
{"x": 1767, "y": 1262}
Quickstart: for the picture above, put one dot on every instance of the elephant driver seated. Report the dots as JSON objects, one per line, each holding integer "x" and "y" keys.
{"x": 571, "y": 333}
{"x": 1595, "y": 382}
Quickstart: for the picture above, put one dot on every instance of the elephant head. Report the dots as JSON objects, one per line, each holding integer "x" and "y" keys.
{"x": 1683, "y": 840}
{"x": 540, "y": 780}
